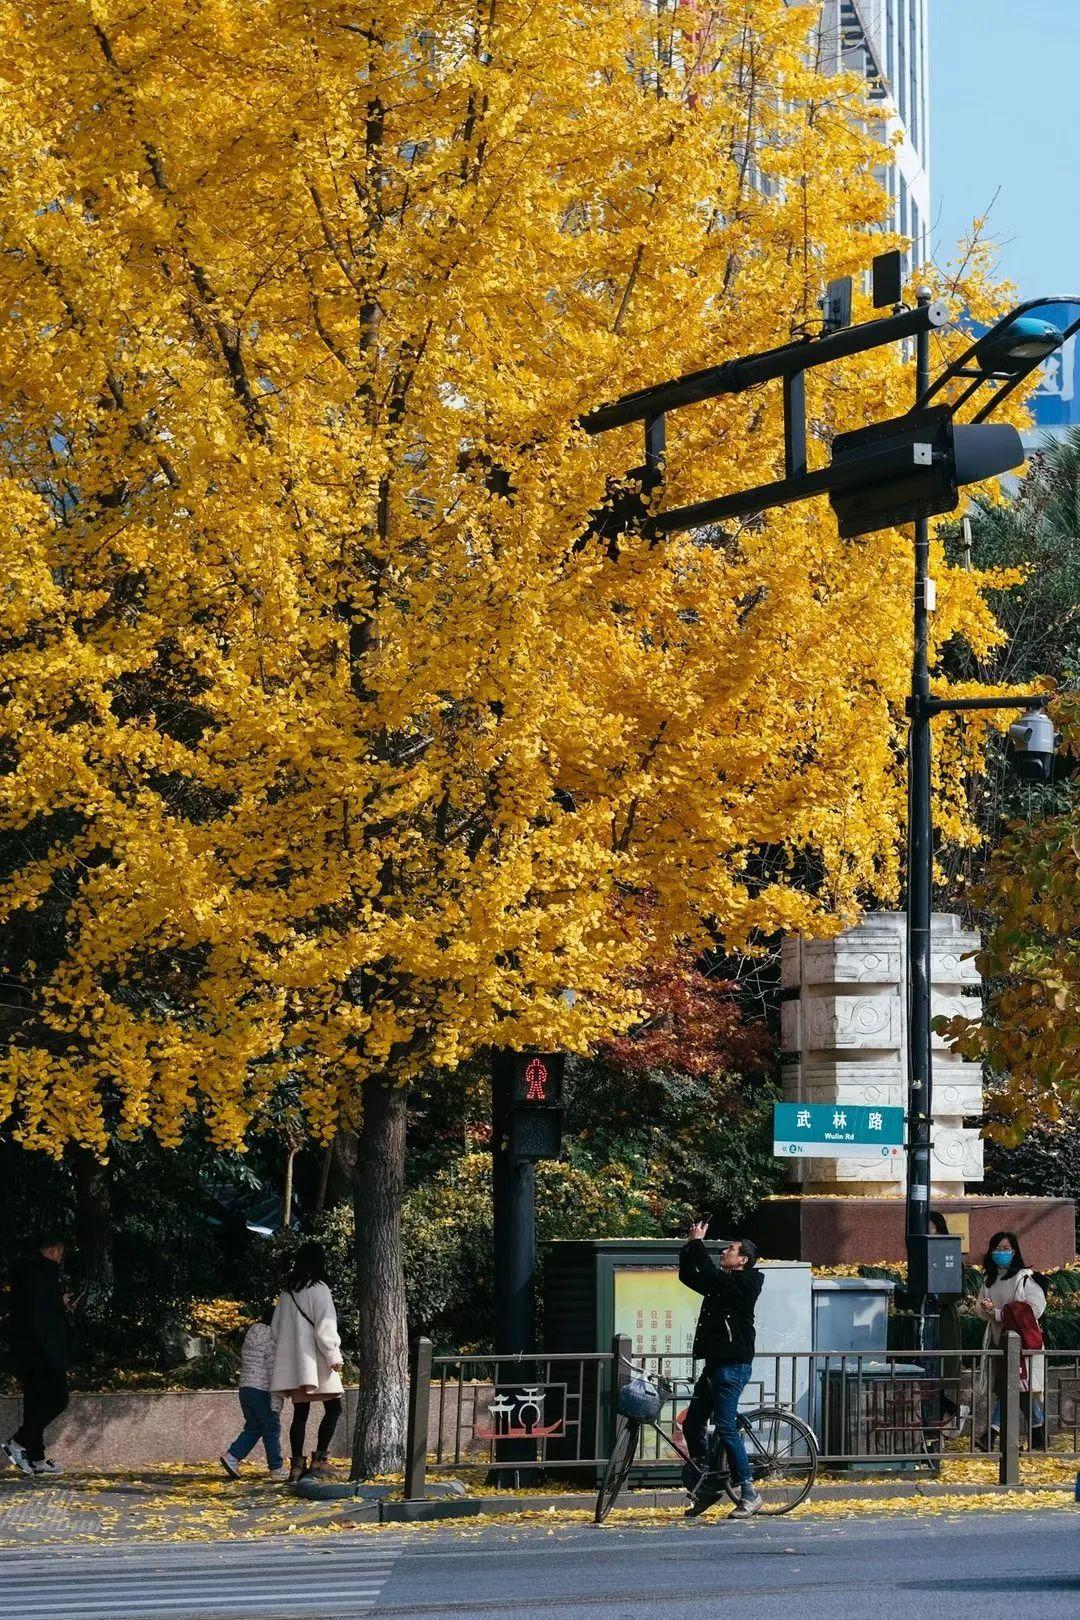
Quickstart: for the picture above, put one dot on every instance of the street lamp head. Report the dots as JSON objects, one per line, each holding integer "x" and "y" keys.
{"x": 1014, "y": 348}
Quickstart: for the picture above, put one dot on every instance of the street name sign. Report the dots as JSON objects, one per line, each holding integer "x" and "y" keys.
{"x": 835, "y": 1131}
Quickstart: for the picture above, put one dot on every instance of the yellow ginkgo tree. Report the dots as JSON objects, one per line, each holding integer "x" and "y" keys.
{"x": 330, "y": 750}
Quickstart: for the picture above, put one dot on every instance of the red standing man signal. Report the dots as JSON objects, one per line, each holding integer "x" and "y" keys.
{"x": 536, "y": 1081}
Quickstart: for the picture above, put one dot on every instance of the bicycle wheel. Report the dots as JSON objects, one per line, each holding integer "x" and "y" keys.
{"x": 623, "y": 1452}
{"x": 783, "y": 1457}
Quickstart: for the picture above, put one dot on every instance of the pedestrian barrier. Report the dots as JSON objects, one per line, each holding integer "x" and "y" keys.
{"x": 552, "y": 1415}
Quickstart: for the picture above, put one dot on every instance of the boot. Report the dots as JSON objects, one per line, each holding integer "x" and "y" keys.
{"x": 297, "y": 1467}
{"x": 1038, "y": 1437}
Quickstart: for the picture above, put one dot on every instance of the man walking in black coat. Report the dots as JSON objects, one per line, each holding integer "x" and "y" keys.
{"x": 39, "y": 1351}
{"x": 724, "y": 1341}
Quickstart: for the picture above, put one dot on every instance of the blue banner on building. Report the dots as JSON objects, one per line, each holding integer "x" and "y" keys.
{"x": 1056, "y": 401}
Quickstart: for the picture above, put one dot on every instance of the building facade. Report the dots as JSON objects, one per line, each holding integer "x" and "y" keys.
{"x": 887, "y": 43}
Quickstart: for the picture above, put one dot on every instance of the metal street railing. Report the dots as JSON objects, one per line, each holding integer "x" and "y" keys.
{"x": 551, "y": 1415}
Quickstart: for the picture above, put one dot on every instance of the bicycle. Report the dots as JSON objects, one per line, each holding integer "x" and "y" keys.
{"x": 782, "y": 1449}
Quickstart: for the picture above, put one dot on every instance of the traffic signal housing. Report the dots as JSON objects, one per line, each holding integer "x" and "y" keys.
{"x": 528, "y": 1102}
{"x": 914, "y": 466}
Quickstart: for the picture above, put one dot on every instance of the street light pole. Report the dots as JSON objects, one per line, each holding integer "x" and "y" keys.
{"x": 880, "y": 476}
{"x": 920, "y": 869}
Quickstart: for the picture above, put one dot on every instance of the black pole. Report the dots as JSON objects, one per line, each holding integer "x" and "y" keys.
{"x": 513, "y": 1197}
{"x": 513, "y": 1186}
{"x": 920, "y": 878}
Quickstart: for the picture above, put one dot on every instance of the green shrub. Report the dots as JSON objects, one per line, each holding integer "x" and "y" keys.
{"x": 448, "y": 1237}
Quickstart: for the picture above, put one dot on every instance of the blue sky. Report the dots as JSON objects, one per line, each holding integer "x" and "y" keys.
{"x": 1005, "y": 99}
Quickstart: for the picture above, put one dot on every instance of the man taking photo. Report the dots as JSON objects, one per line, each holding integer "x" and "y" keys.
{"x": 724, "y": 1341}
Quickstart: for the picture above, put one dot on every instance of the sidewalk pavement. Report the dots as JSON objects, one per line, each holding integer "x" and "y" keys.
{"x": 171, "y": 1503}
{"x": 200, "y": 1503}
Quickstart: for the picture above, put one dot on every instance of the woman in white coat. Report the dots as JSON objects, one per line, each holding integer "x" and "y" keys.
{"x": 1008, "y": 1281}
{"x": 307, "y": 1358}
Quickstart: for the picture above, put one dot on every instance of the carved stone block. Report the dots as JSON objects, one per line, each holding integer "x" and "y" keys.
{"x": 957, "y": 1155}
{"x": 834, "y": 1173}
{"x": 853, "y": 1084}
{"x": 954, "y": 1005}
{"x": 844, "y": 1031}
{"x": 872, "y": 1020}
{"x": 958, "y": 1088}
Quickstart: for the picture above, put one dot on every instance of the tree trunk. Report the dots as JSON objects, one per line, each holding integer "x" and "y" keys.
{"x": 93, "y": 1221}
{"x": 336, "y": 1176}
{"x": 286, "y": 1215}
{"x": 324, "y": 1178}
{"x": 382, "y": 1334}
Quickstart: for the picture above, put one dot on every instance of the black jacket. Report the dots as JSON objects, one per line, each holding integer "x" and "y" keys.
{"x": 725, "y": 1330}
{"x": 38, "y": 1324}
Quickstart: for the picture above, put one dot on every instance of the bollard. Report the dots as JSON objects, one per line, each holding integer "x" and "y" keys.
{"x": 1009, "y": 1464}
{"x": 416, "y": 1442}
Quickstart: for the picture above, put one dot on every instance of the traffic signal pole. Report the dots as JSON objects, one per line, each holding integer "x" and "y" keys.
{"x": 920, "y": 876}
{"x": 513, "y": 1190}
{"x": 513, "y": 1200}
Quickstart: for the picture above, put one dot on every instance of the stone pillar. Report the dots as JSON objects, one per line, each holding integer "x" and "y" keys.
{"x": 844, "y": 1034}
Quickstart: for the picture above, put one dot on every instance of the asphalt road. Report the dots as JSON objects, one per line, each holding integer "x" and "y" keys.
{"x": 1025, "y": 1565}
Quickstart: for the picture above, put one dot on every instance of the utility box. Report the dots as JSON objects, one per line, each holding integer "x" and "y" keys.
{"x": 597, "y": 1287}
{"x": 851, "y": 1314}
{"x": 935, "y": 1264}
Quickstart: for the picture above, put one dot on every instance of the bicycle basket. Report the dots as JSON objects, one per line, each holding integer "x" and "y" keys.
{"x": 640, "y": 1399}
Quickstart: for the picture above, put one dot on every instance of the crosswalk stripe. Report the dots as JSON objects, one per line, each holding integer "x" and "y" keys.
{"x": 199, "y": 1582}
{"x": 219, "y": 1579}
{"x": 210, "y": 1556}
{"x": 257, "y": 1554}
{"x": 148, "y": 1603}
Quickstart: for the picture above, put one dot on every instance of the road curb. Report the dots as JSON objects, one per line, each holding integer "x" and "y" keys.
{"x": 464, "y": 1507}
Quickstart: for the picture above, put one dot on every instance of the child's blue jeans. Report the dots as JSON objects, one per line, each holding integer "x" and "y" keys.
{"x": 261, "y": 1422}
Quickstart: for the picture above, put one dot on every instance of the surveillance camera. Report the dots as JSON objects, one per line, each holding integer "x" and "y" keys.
{"x": 1032, "y": 742}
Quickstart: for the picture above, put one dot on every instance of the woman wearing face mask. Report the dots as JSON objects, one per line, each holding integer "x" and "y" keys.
{"x": 1007, "y": 1281}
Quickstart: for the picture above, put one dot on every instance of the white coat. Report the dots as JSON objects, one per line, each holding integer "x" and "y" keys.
{"x": 307, "y": 1344}
{"x": 1007, "y": 1291}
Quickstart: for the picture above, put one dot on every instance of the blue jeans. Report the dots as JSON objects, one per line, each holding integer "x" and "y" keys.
{"x": 721, "y": 1386}
{"x": 260, "y": 1423}
{"x": 1028, "y": 1404}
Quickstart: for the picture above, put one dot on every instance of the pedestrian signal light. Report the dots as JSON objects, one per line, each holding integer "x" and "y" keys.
{"x": 533, "y": 1083}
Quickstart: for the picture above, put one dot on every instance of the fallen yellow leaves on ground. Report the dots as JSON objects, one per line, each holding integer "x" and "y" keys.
{"x": 1038, "y": 1470}
{"x": 179, "y": 1502}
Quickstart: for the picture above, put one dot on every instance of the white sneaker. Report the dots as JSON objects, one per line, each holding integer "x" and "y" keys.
{"x": 46, "y": 1466}
{"x": 959, "y": 1423}
{"x": 230, "y": 1464}
{"x": 280, "y": 1475}
{"x": 16, "y": 1456}
{"x": 747, "y": 1506}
